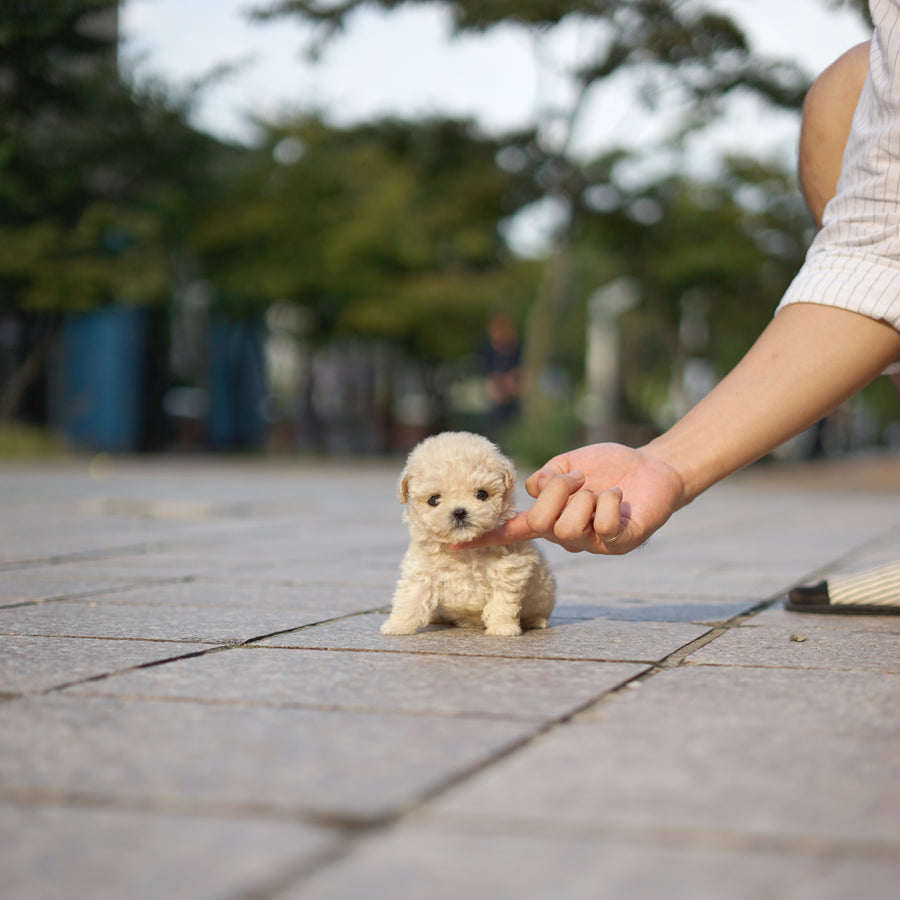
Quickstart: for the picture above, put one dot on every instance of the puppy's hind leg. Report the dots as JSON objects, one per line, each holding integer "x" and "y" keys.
{"x": 501, "y": 614}
{"x": 540, "y": 598}
{"x": 412, "y": 608}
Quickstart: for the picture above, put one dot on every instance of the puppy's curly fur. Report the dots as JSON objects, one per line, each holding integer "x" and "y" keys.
{"x": 458, "y": 486}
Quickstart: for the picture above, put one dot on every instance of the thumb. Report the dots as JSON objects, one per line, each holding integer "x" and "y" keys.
{"x": 514, "y": 531}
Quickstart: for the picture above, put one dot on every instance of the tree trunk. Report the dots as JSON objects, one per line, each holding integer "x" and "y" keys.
{"x": 539, "y": 340}
{"x": 28, "y": 372}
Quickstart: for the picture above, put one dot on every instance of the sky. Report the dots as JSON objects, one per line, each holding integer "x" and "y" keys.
{"x": 407, "y": 63}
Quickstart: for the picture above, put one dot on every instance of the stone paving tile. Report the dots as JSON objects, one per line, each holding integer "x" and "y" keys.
{"x": 32, "y": 664}
{"x": 226, "y": 593}
{"x": 783, "y": 639}
{"x": 251, "y": 556}
{"x": 57, "y": 853}
{"x": 263, "y": 760}
{"x": 791, "y": 543}
{"x": 840, "y": 879}
{"x": 52, "y": 538}
{"x": 599, "y": 639}
{"x": 138, "y": 568}
{"x": 746, "y": 503}
{"x": 536, "y": 689}
{"x": 760, "y": 518}
{"x": 677, "y": 579}
{"x": 655, "y": 609}
{"x": 763, "y": 753}
{"x": 777, "y": 616}
{"x": 136, "y": 621}
{"x": 334, "y": 532}
{"x": 39, "y": 584}
{"x": 840, "y": 703}
{"x": 285, "y": 561}
{"x": 379, "y": 575}
{"x": 416, "y": 861}
{"x": 878, "y": 553}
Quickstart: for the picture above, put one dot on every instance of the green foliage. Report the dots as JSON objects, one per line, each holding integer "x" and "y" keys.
{"x": 532, "y": 446}
{"x": 728, "y": 248}
{"x": 480, "y": 15}
{"x": 71, "y": 268}
{"x": 97, "y": 178}
{"x": 700, "y": 49}
{"x": 386, "y": 230}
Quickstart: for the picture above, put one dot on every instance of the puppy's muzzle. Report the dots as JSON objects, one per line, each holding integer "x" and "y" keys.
{"x": 460, "y": 517}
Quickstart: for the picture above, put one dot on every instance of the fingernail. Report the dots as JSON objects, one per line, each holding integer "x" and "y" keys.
{"x": 577, "y": 474}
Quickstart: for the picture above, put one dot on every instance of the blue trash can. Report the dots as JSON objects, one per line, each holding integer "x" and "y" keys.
{"x": 237, "y": 384}
{"x": 98, "y": 382}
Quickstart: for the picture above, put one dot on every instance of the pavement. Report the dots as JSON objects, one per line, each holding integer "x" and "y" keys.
{"x": 196, "y": 701}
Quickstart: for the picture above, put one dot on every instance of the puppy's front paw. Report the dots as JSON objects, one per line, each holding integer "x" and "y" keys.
{"x": 504, "y": 629}
{"x": 398, "y": 626}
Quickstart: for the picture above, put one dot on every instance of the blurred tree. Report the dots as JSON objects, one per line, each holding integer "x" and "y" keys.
{"x": 670, "y": 55}
{"x": 97, "y": 177}
{"x": 715, "y": 255}
{"x": 388, "y": 229}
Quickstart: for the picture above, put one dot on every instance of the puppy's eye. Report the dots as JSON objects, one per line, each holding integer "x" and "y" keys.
{"x": 482, "y": 494}
{"x": 434, "y": 499}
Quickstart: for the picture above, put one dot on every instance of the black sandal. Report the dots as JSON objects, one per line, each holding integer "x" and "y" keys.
{"x": 815, "y": 599}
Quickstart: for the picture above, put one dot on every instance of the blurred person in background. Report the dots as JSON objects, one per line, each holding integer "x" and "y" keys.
{"x": 501, "y": 358}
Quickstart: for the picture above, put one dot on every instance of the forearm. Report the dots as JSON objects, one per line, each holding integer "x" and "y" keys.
{"x": 808, "y": 361}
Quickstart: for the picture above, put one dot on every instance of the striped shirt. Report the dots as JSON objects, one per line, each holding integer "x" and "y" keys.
{"x": 874, "y": 587}
{"x": 854, "y": 261}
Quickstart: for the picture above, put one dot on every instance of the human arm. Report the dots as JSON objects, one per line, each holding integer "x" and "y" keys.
{"x": 808, "y": 361}
{"x": 825, "y": 125}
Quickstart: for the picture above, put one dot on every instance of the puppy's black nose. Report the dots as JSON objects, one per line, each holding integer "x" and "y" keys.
{"x": 460, "y": 514}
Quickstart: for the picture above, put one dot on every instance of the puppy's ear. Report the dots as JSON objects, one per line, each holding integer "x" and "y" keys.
{"x": 403, "y": 486}
{"x": 509, "y": 474}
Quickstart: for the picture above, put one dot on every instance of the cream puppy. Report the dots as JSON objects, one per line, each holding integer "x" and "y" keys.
{"x": 457, "y": 486}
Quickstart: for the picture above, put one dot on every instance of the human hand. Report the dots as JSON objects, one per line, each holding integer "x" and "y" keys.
{"x": 603, "y": 498}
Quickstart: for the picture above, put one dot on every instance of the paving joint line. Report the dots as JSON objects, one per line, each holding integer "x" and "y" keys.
{"x": 361, "y": 710}
{"x": 144, "y": 548}
{"x": 428, "y": 795}
{"x": 63, "y": 686}
{"x": 99, "y": 591}
{"x": 86, "y": 556}
{"x": 179, "y": 806}
{"x": 449, "y": 654}
{"x": 683, "y": 835}
{"x": 214, "y": 647}
{"x": 667, "y": 663}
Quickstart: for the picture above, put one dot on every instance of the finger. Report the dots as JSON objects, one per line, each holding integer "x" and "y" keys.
{"x": 551, "y": 500}
{"x": 537, "y": 480}
{"x": 577, "y": 517}
{"x": 607, "y": 522}
{"x": 514, "y": 531}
